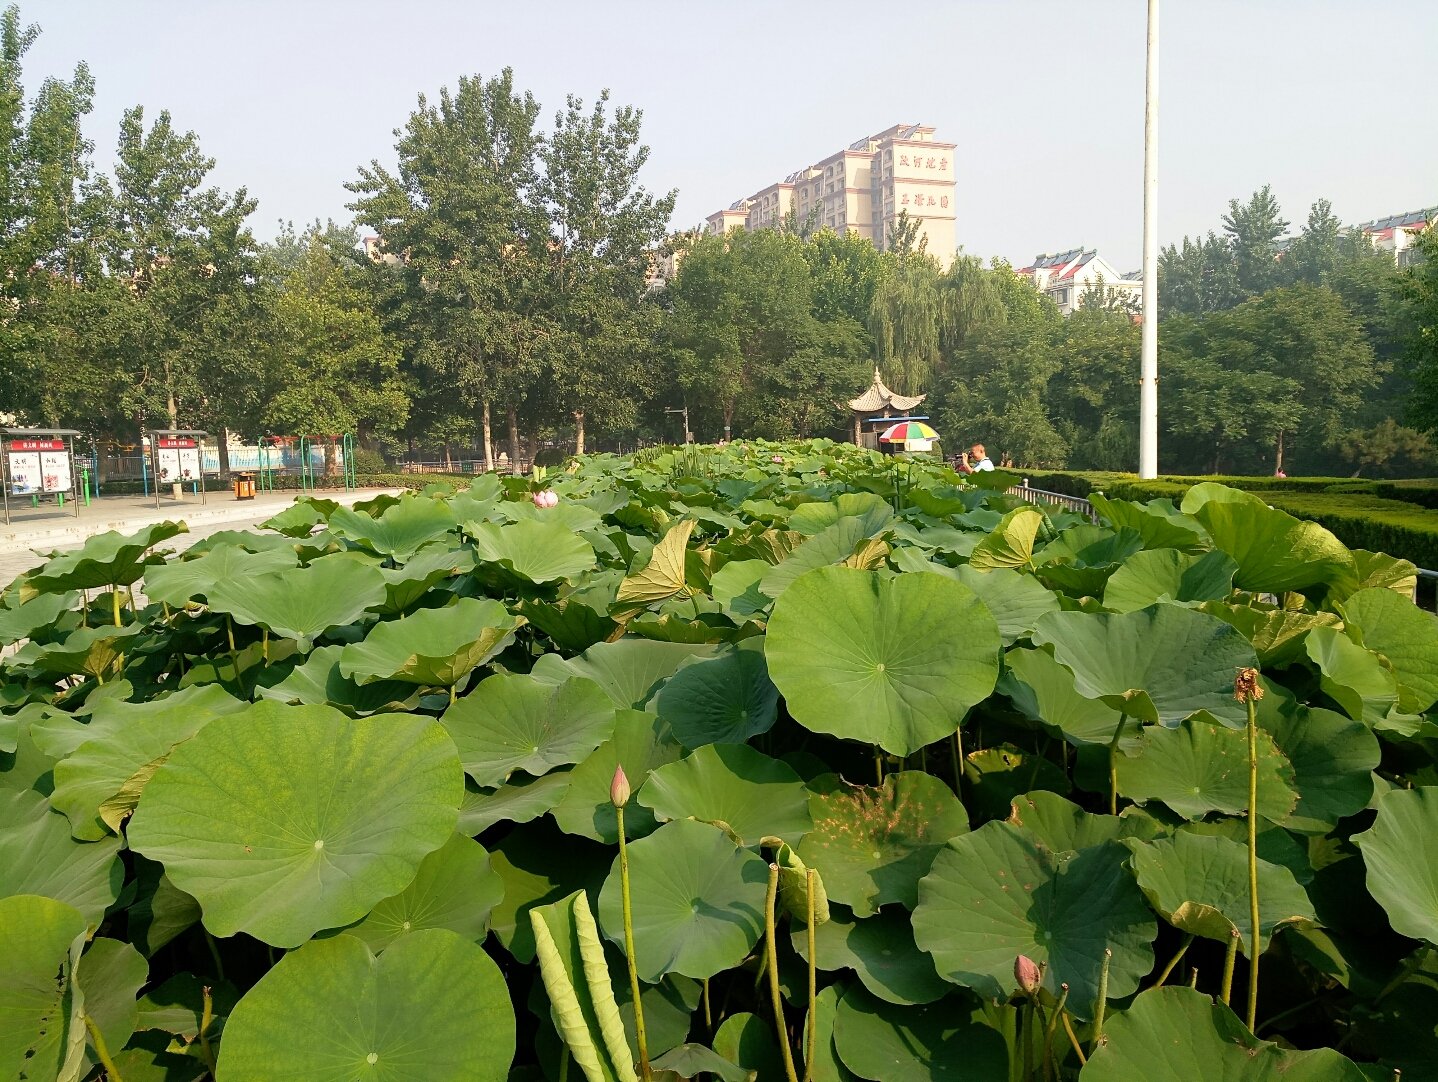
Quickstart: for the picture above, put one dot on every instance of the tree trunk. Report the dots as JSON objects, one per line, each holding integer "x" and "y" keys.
{"x": 448, "y": 458}
{"x": 513, "y": 417}
{"x": 579, "y": 432}
{"x": 222, "y": 452}
{"x": 858, "y": 432}
{"x": 331, "y": 464}
{"x": 728, "y": 421}
{"x": 488, "y": 434}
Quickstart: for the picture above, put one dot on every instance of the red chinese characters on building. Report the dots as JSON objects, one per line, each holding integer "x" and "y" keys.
{"x": 173, "y": 444}
{"x": 905, "y": 200}
{"x": 930, "y": 163}
{"x": 943, "y": 200}
{"x": 944, "y": 164}
{"x": 903, "y": 159}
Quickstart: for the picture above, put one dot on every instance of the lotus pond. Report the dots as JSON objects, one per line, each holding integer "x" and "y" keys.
{"x": 913, "y": 781}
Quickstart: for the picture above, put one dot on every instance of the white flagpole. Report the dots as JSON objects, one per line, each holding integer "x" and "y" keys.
{"x": 1148, "y": 378}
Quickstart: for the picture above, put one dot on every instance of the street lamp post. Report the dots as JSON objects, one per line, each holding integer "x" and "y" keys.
{"x": 685, "y": 412}
{"x": 1148, "y": 373}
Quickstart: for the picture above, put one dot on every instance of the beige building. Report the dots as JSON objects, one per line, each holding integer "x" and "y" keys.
{"x": 863, "y": 188}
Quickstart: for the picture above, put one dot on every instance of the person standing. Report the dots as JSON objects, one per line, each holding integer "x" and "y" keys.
{"x": 975, "y": 460}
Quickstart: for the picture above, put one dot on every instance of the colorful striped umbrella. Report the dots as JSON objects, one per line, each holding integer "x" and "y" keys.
{"x": 905, "y": 431}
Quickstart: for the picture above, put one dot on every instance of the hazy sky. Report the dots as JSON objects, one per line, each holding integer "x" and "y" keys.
{"x": 1044, "y": 99}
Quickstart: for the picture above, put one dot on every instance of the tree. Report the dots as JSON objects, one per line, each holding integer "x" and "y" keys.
{"x": 1197, "y": 278}
{"x": 1420, "y": 293}
{"x": 1094, "y": 395}
{"x": 1253, "y": 230}
{"x": 1318, "y": 250}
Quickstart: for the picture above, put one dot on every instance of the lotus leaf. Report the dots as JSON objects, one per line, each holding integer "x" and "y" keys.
{"x": 1200, "y": 885}
{"x": 1011, "y": 543}
{"x": 407, "y": 586}
{"x": 1162, "y": 664}
{"x": 698, "y": 901}
{"x": 629, "y": 670}
{"x": 834, "y": 544}
{"x": 1352, "y": 677}
{"x": 894, "y": 662}
{"x": 319, "y": 681}
{"x": 734, "y": 787}
{"x": 746, "y": 1039}
{"x": 512, "y": 722}
{"x": 1374, "y": 569}
{"x": 110, "y": 975}
{"x": 1169, "y": 575}
{"x": 305, "y": 602}
{"x": 105, "y": 560}
{"x": 881, "y": 951}
{"x": 873, "y": 845}
{"x": 98, "y": 784}
{"x": 1333, "y": 760}
{"x": 537, "y": 865}
{"x": 999, "y": 892}
{"x": 641, "y": 743}
{"x": 1081, "y": 559}
{"x": 43, "y": 1036}
{"x": 811, "y": 518}
{"x": 181, "y": 581}
{"x": 535, "y": 551}
{"x": 520, "y": 800}
{"x": 1179, "y": 1035}
{"x": 282, "y": 820}
{"x": 827, "y": 1067}
{"x": 1158, "y": 523}
{"x": 663, "y": 577}
{"x": 432, "y": 1008}
{"x": 38, "y": 856}
{"x": 1275, "y": 552}
{"x": 1200, "y": 768}
{"x": 1065, "y": 827}
{"x": 93, "y": 651}
{"x": 1278, "y": 635}
{"x": 455, "y": 888}
{"x": 300, "y": 518}
{"x": 996, "y": 775}
{"x": 432, "y": 647}
{"x": 1043, "y": 691}
{"x": 723, "y": 700}
{"x": 400, "y": 530}
{"x": 570, "y": 623}
{"x": 178, "y": 1005}
{"x": 1407, "y": 636}
{"x": 25, "y": 619}
{"x": 1400, "y": 851}
{"x": 936, "y": 1043}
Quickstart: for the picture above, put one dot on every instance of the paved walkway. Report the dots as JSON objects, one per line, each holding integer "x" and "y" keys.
{"x": 31, "y": 531}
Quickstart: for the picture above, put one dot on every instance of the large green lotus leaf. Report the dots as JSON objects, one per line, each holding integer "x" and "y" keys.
{"x": 732, "y": 786}
{"x": 455, "y": 888}
{"x": 1375, "y": 569}
{"x": 1333, "y": 760}
{"x": 873, "y": 845}
{"x": 305, "y": 602}
{"x": 1352, "y": 676}
{"x": 999, "y": 892}
{"x": 90, "y": 650}
{"x": 833, "y": 545}
{"x": 1161, "y": 664}
{"x": 537, "y": 865}
{"x": 571, "y": 624}
{"x": 25, "y": 619}
{"x": 110, "y": 975}
{"x": 1011, "y": 543}
{"x": 1200, "y": 885}
{"x": 811, "y": 518}
{"x": 99, "y": 783}
{"x": 880, "y": 950}
{"x": 1407, "y": 636}
{"x": 432, "y": 647}
{"x": 1400, "y": 851}
{"x": 935, "y": 1043}
{"x": 1201, "y": 767}
{"x": 180, "y": 581}
{"x": 161, "y": 911}
{"x": 1043, "y": 691}
{"x": 284, "y": 820}
{"x": 406, "y": 586}
{"x": 300, "y": 518}
{"x": 514, "y": 722}
{"x": 662, "y": 577}
{"x": 520, "y": 800}
{"x": 630, "y": 670}
{"x": 896, "y": 662}
{"x": 1082, "y": 558}
{"x": 1065, "y": 827}
{"x": 728, "y": 699}
{"x": 319, "y": 681}
{"x": 537, "y": 551}
{"x": 1275, "y": 552}
{"x": 734, "y": 579}
{"x": 748, "y": 1040}
{"x": 697, "y": 901}
{"x": 400, "y": 531}
{"x": 688, "y": 1061}
{"x": 1017, "y": 601}
{"x": 1278, "y": 635}
{"x": 38, "y": 856}
{"x": 42, "y": 1032}
{"x": 104, "y": 560}
{"x": 1169, "y": 575}
{"x": 432, "y": 1008}
{"x": 641, "y": 743}
{"x": 1181, "y": 1035}
{"x": 827, "y": 1067}
{"x": 1158, "y": 523}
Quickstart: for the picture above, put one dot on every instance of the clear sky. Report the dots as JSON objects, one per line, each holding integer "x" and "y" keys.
{"x": 1329, "y": 98}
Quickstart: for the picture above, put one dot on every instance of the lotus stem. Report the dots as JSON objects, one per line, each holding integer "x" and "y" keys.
{"x": 1101, "y": 1007}
{"x": 809, "y": 1032}
{"x": 1113, "y": 764}
{"x": 130, "y": 593}
{"x": 1172, "y": 962}
{"x": 775, "y": 997}
{"x": 1193, "y": 977}
{"x": 207, "y": 1015}
{"x": 84, "y": 608}
{"x": 1248, "y": 689}
{"x": 708, "y": 1014}
{"x": 1051, "y": 1026}
{"x": 1073, "y": 1038}
{"x": 115, "y": 604}
{"x": 265, "y": 645}
{"x": 958, "y": 749}
{"x": 639, "y": 1034}
{"x": 1026, "y": 1037}
{"x": 1226, "y": 987}
{"x": 98, "y": 1040}
{"x": 879, "y": 767}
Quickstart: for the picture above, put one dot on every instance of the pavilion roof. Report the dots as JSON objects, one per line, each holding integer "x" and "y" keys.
{"x": 879, "y": 397}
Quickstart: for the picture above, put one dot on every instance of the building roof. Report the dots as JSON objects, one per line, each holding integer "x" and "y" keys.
{"x": 879, "y": 397}
{"x": 1412, "y": 219}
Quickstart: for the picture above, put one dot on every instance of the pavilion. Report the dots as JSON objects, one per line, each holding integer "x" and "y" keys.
{"x": 877, "y": 408}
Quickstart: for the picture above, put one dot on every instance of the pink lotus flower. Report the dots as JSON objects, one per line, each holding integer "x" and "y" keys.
{"x": 777, "y": 458}
{"x": 619, "y": 788}
{"x": 545, "y": 498}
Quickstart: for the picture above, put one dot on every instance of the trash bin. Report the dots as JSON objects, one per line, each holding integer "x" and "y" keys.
{"x": 244, "y": 486}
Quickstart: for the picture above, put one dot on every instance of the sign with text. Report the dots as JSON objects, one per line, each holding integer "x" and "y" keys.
{"x": 55, "y": 471}
{"x": 177, "y": 458}
{"x": 38, "y": 465}
{"x": 25, "y": 475}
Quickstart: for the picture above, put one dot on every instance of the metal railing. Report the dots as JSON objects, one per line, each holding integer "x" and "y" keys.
{"x": 1077, "y": 504}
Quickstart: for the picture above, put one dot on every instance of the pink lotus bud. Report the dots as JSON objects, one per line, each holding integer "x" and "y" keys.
{"x": 777, "y": 458}
{"x": 537, "y": 499}
{"x": 1026, "y": 972}
{"x": 551, "y": 498}
{"x": 619, "y": 790}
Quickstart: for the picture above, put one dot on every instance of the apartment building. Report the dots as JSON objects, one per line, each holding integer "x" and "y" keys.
{"x": 1067, "y": 276}
{"x": 863, "y": 189}
{"x": 1397, "y": 233}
